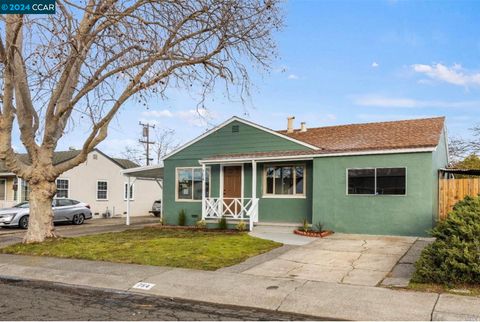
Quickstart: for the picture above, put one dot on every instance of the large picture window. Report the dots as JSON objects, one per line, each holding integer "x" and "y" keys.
{"x": 285, "y": 180}
{"x": 189, "y": 183}
{"x": 377, "y": 181}
{"x": 62, "y": 188}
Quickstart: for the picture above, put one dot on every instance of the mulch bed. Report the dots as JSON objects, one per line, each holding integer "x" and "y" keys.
{"x": 310, "y": 233}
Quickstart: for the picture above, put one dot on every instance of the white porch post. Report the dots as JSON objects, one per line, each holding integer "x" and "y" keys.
{"x": 19, "y": 190}
{"x": 128, "y": 201}
{"x": 254, "y": 192}
{"x": 254, "y": 179}
{"x": 160, "y": 184}
{"x": 204, "y": 194}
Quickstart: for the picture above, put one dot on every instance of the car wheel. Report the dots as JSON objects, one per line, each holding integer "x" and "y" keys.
{"x": 78, "y": 219}
{"x": 156, "y": 214}
{"x": 23, "y": 222}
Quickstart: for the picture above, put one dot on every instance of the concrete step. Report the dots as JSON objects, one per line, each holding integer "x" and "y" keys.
{"x": 275, "y": 227}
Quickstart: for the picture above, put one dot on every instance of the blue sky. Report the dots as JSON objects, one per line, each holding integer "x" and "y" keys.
{"x": 344, "y": 62}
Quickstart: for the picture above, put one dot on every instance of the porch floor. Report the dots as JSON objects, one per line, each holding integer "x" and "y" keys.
{"x": 280, "y": 232}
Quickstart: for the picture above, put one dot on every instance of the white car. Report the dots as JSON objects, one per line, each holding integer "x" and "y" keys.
{"x": 64, "y": 210}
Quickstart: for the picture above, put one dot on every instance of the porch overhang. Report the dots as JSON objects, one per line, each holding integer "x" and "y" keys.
{"x": 150, "y": 172}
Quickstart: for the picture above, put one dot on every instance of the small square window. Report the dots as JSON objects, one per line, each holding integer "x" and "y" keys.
{"x": 235, "y": 128}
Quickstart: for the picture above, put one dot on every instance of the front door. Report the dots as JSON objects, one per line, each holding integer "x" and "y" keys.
{"x": 232, "y": 189}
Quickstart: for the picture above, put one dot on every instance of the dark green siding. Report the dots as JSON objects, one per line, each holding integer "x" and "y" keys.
{"x": 247, "y": 139}
{"x": 326, "y": 199}
{"x": 224, "y": 141}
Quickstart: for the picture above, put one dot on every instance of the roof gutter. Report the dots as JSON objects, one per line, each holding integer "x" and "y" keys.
{"x": 311, "y": 156}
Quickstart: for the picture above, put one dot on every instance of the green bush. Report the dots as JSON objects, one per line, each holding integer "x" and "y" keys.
{"x": 182, "y": 217}
{"x": 201, "y": 224}
{"x": 241, "y": 226}
{"x": 454, "y": 257}
{"x": 222, "y": 223}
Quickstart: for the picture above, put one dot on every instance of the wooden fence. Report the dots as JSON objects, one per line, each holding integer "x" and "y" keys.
{"x": 453, "y": 190}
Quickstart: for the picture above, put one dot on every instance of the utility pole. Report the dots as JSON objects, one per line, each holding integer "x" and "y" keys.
{"x": 146, "y": 138}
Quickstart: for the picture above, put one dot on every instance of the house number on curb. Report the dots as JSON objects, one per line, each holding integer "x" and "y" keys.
{"x": 143, "y": 286}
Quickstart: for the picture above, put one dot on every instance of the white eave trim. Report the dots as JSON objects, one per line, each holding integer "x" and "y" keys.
{"x": 142, "y": 168}
{"x": 313, "y": 155}
{"x": 236, "y": 118}
{"x": 7, "y": 174}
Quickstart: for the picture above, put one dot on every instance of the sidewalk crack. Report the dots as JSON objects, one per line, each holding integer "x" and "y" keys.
{"x": 355, "y": 260}
{"x": 291, "y": 292}
{"x": 434, "y": 306}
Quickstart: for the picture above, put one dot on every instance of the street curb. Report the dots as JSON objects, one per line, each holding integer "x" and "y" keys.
{"x": 79, "y": 288}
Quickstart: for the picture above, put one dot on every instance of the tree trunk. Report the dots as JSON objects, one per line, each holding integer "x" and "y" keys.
{"x": 40, "y": 224}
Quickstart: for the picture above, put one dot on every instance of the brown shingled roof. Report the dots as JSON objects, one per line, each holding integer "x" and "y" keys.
{"x": 394, "y": 135}
{"x": 419, "y": 133}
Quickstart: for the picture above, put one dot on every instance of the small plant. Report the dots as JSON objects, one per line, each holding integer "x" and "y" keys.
{"x": 305, "y": 225}
{"x": 222, "y": 223}
{"x": 241, "y": 226}
{"x": 319, "y": 226}
{"x": 182, "y": 217}
{"x": 201, "y": 224}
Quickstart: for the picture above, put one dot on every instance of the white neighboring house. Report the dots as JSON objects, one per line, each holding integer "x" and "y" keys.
{"x": 97, "y": 182}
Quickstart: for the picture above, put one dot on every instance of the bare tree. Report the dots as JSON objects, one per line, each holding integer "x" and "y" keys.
{"x": 163, "y": 143}
{"x": 460, "y": 148}
{"x": 134, "y": 153}
{"x": 92, "y": 56}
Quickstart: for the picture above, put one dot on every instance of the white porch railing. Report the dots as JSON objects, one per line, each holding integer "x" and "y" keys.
{"x": 234, "y": 208}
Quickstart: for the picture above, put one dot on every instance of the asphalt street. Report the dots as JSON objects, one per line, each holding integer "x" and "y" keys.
{"x": 28, "y": 300}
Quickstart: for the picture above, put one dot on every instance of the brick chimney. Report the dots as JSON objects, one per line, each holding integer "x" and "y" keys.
{"x": 290, "y": 124}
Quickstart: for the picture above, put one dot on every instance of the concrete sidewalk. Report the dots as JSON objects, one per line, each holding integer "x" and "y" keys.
{"x": 321, "y": 299}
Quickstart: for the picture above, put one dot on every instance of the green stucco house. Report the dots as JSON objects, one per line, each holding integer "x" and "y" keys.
{"x": 373, "y": 178}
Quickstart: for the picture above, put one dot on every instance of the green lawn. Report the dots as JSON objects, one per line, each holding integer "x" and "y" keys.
{"x": 207, "y": 250}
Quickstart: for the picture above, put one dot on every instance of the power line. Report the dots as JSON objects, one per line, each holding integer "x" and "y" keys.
{"x": 146, "y": 138}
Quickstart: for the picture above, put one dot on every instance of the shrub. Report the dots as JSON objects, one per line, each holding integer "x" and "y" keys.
{"x": 222, "y": 223}
{"x": 319, "y": 226}
{"x": 305, "y": 225}
{"x": 454, "y": 257}
{"x": 182, "y": 217}
{"x": 201, "y": 224}
{"x": 241, "y": 226}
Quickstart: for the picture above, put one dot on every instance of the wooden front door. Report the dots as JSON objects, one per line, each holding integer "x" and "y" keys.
{"x": 232, "y": 188}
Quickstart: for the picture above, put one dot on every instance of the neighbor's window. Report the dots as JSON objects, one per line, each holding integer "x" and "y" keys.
{"x": 377, "y": 181}
{"x": 62, "y": 188}
{"x": 102, "y": 190}
{"x": 285, "y": 180}
{"x": 125, "y": 188}
{"x": 189, "y": 183}
{"x": 3, "y": 189}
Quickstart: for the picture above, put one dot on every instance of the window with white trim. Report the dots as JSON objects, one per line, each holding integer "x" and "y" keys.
{"x": 62, "y": 188}
{"x": 189, "y": 183}
{"x": 102, "y": 190}
{"x": 377, "y": 181}
{"x": 284, "y": 180}
{"x": 125, "y": 188}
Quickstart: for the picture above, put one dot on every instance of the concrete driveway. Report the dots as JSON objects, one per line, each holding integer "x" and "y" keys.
{"x": 340, "y": 258}
{"x": 10, "y": 236}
